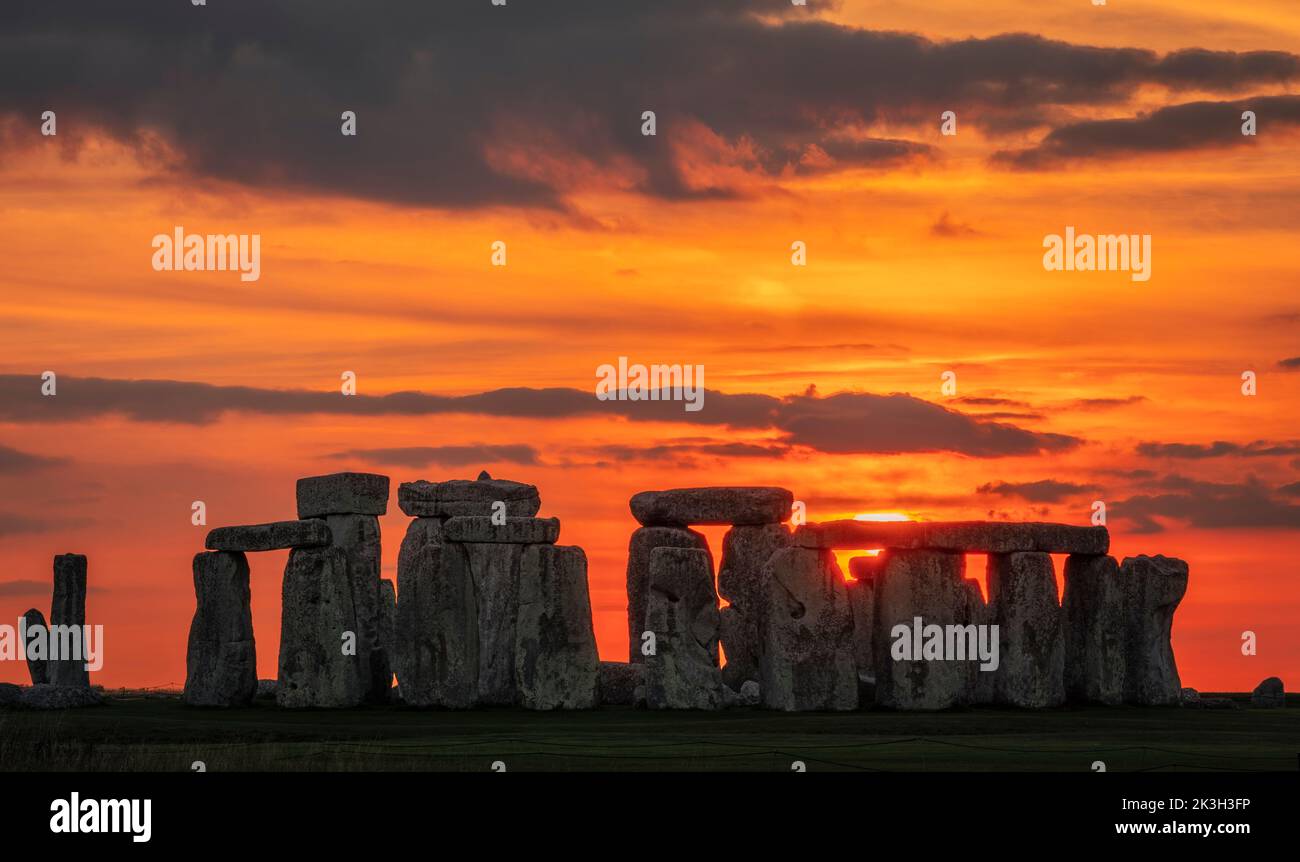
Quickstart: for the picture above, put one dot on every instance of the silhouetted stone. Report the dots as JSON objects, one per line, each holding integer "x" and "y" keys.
{"x": 643, "y": 542}
{"x": 1022, "y": 597}
{"x": 745, "y": 552}
{"x": 343, "y": 494}
{"x": 520, "y": 531}
{"x": 67, "y": 619}
{"x": 682, "y": 611}
{"x": 60, "y": 697}
{"x": 437, "y": 621}
{"x": 465, "y": 497}
{"x": 556, "y": 665}
{"x": 929, "y": 585}
{"x": 807, "y": 655}
{"x": 359, "y": 538}
{"x": 1269, "y": 694}
{"x": 38, "y": 666}
{"x": 267, "y": 688}
{"x": 1093, "y": 626}
{"x": 311, "y": 533}
{"x": 316, "y": 611}
{"x": 971, "y": 537}
{"x": 683, "y": 507}
{"x": 619, "y": 682}
{"x": 1153, "y": 587}
{"x": 385, "y": 653}
{"x": 221, "y": 658}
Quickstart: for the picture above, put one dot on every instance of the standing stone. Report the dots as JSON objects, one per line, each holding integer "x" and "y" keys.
{"x": 619, "y": 681}
{"x": 682, "y": 611}
{"x": 862, "y": 602}
{"x": 1153, "y": 587}
{"x": 1269, "y": 694}
{"x": 930, "y": 585}
{"x": 556, "y": 665}
{"x": 385, "y": 654}
{"x": 807, "y": 658}
{"x": 437, "y": 621}
{"x": 1022, "y": 596}
{"x": 644, "y": 541}
{"x": 37, "y": 659}
{"x": 494, "y": 570}
{"x": 67, "y": 621}
{"x": 358, "y": 537}
{"x": 745, "y": 552}
{"x": 221, "y": 660}
{"x": 316, "y": 611}
{"x": 343, "y": 494}
{"x": 1093, "y": 626}
{"x": 981, "y": 682}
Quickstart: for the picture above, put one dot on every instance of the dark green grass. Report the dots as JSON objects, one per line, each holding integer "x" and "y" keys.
{"x": 138, "y": 732}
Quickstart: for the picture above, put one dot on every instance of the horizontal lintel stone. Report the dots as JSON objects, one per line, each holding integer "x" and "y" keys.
{"x": 310, "y": 533}
{"x": 974, "y": 537}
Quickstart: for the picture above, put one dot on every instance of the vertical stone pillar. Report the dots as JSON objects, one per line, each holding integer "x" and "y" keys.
{"x": 1022, "y": 597}
{"x": 67, "y": 620}
{"x": 221, "y": 658}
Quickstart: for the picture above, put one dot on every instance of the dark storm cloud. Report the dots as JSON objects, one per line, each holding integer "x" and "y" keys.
{"x": 1208, "y": 505}
{"x": 12, "y": 461}
{"x": 444, "y": 456}
{"x": 1173, "y": 129}
{"x": 1220, "y": 448}
{"x": 1290, "y": 364}
{"x": 252, "y": 91}
{"x": 850, "y": 422}
{"x": 1042, "y": 491}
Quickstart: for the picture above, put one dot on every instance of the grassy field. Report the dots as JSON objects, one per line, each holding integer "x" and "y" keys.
{"x": 155, "y": 732}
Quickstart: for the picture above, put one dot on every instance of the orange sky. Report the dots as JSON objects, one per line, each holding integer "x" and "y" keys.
{"x": 914, "y": 269}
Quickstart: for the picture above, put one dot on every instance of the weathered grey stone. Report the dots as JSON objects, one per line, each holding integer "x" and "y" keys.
{"x": 1153, "y": 587}
{"x": 221, "y": 658}
{"x": 34, "y": 651}
{"x": 1189, "y": 697}
{"x": 969, "y": 537}
{"x": 437, "y": 620}
{"x": 386, "y": 649}
{"x": 745, "y": 552}
{"x": 358, "y": 537}
{"x": 682, "y": 507}
{"x": 67, "y": 617}
{"x": 343, "y": 494}
{"x": 556, "y": 665}
{"x": 465, "y": 497}
{"x": 311, "y": 533}
{"x": 1093, "y": 627}
{"x": 519, "y": 531}
{"x": 496, "y": 572}
{"x": 807, "y": 657}
{"x": 929, "y": 585}
{"x": 862, "y": 602}
{"x": 60, "y": 697}
{"x": 316, "y": 611}
{"x": 619, "y": 681}
{"x": 267, "y": 688}
{"x": 1269, "y": 694}
{"x": 750, "y": 694}
{"x": 682, "y": 611}
{"x": 981, "y": 685}
{"x": 1022, "y": 597}
{"x": 643, "y": 542}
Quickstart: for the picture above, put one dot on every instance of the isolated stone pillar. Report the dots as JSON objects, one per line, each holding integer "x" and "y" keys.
{"x": 67, "y": 621}
{"x": 1022, "y": 597}
{"x": 556, "y": 664}
{"x": 1094, "y": 630}
{"x": 807, "y": 658}
{"x": 682, "y": 612}
{"x": 1153, "y": 587}
{"x": 316, "y": 612}
{"x": 644, "y": 541}
{"x": 741, "y": 582}
{"x": 221, "y": 658}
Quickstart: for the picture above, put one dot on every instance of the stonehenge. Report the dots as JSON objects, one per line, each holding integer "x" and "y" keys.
{"x": 68, "y": 609}
{"x": 487, "y": 610}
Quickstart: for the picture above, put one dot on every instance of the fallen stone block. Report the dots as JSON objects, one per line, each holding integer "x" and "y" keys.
{"x": 745, "y": 552}
{"x": 466, "y": 497}
{"x": 683, "y": 507}
{"x": 1269, "y": 694}
{"x": 38, "y": 666}
{"x": 556, "y": 665}
{"x": 437, "y": 621}
{"x": 1093, "y": 626}
{"x": 642, "y": 544}
{"x": 69, "y": 610}
{"x": 311, "y": 533}
{"x": 221, "y": 657}
{"x": 517, "y": 531}
{"x": 1022, "y": 598}
{"x": 619, "y": 681}
{"x": 1153, "y": 588}
{"x": 316, "y": 613}
{"x": 343, "y": 494}
{"x": 59, "y": 697}
{"x": 807, "y": 660}
{"x": 968, "y": 537}
{"x": 682, "y": 611}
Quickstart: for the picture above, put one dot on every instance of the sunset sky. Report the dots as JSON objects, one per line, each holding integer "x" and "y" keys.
{"x": 775, "y": 124}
